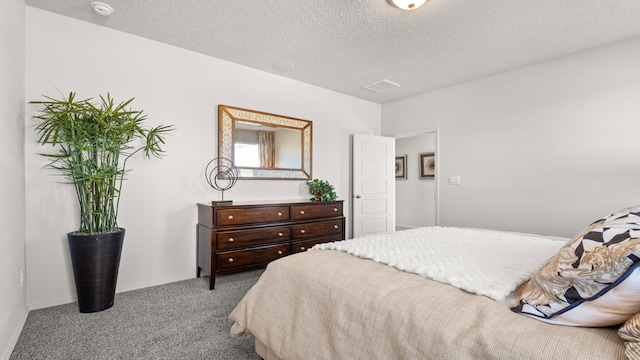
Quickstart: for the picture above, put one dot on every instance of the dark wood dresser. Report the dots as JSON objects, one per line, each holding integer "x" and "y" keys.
{"x": 246, "y": 236}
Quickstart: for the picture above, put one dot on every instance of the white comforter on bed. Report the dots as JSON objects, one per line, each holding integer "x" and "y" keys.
{"x": 484, "y": 262}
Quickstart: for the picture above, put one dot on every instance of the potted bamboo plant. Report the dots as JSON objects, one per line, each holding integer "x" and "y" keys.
{"x": 92, "y": 144}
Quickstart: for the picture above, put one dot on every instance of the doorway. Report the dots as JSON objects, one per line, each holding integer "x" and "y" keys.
{"x": 416, "y": 195}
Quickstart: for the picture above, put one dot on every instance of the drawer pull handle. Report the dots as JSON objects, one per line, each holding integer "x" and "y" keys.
{"x": 279, "y": 213}
{"x": 302, "y": 231}
{"x": 335, "y": 209}
{"x": 335, "y": 226}
{"x": 230, "y": 217}
{"x": 230, "y": 260}
{"x": 280, "y": 234}
{"x": 279, "y": 252}
{"x": 302, "y": 212}
{"x": 230, "y": 239}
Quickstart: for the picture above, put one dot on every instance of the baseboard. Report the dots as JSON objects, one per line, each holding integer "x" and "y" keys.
{"x": 404, "y": 227}
{"x": 119, "y": 289}
{"x": 51, "y": 303}
{"x": 147, "y": 284}
{"x": 13, "y": 340}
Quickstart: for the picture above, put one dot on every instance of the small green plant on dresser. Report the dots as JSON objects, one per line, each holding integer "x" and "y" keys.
{"x": 322, "y": 190}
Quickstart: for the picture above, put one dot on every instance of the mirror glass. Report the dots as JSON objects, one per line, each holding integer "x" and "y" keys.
{"x": 265, "y": 146}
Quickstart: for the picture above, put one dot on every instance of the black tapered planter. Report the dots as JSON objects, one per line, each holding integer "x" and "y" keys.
{"x": 95, "y": 259}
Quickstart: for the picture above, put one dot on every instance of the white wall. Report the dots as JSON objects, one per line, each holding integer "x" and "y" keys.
{"x": 415, "y": 197}
{"x": 545, "y": 149}
{"x": 13, "y": 299}
{"x": 173, "y": 86}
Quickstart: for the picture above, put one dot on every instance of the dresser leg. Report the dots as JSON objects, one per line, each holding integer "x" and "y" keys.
{"x": 212, "y": 280}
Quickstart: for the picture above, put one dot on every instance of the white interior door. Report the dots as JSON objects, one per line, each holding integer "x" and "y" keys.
{"x": 373, "y": 184}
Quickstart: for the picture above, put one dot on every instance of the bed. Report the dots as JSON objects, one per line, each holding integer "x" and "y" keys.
{"x": 330, "y": 303}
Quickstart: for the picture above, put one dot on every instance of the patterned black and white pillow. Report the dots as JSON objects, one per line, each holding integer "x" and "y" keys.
{"x": 594, "y": 280}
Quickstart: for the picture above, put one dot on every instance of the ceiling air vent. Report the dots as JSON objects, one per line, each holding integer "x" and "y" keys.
{"x": 381, "y": 86}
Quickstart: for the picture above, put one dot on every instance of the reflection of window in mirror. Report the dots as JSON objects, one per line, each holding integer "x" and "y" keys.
{"x": 246, "y": 149}
{"x": 247, "y": 155}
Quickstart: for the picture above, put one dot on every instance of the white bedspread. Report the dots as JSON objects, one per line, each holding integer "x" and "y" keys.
{"x": 484, "y": 262}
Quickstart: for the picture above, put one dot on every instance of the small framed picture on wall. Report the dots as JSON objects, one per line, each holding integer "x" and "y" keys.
{"x": 427, "y": 165}
{"x": 401, "y": 167}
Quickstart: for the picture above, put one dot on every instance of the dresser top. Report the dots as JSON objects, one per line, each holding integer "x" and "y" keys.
{"x": 272, "y": 202}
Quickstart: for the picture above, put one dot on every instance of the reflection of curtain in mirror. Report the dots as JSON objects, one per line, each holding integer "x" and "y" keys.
{"x": 266, "y": 140}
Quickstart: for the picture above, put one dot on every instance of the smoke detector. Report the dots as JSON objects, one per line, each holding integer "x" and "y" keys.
{"x": 101, "y": 8}
{"x": 284, "y": 66}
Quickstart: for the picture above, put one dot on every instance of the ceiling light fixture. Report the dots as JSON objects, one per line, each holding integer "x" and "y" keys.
{"x": 101, "y": 8}
{"x": 407, "y": 4}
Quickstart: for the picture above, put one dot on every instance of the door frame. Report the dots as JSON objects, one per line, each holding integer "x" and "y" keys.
{"x": 421, "y": 132}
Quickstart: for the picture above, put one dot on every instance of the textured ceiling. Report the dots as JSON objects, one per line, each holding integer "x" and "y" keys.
{"x": 342, "y": 45}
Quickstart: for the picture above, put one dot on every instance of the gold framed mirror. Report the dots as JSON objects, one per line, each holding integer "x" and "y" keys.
{"x": 263, "y": 145}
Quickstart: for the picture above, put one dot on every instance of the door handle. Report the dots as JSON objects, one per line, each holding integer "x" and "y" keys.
{"x": 358, "y": 196}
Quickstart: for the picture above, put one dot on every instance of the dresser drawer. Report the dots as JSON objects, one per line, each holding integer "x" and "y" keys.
{"x": 317, "y": 229}
{"x": 237, "y": 259}
{"x": 302, "y": 246}
{"x": 240, "y": 216}
{"x": 246, "y": 238}
{"x": 303, "y": 212}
